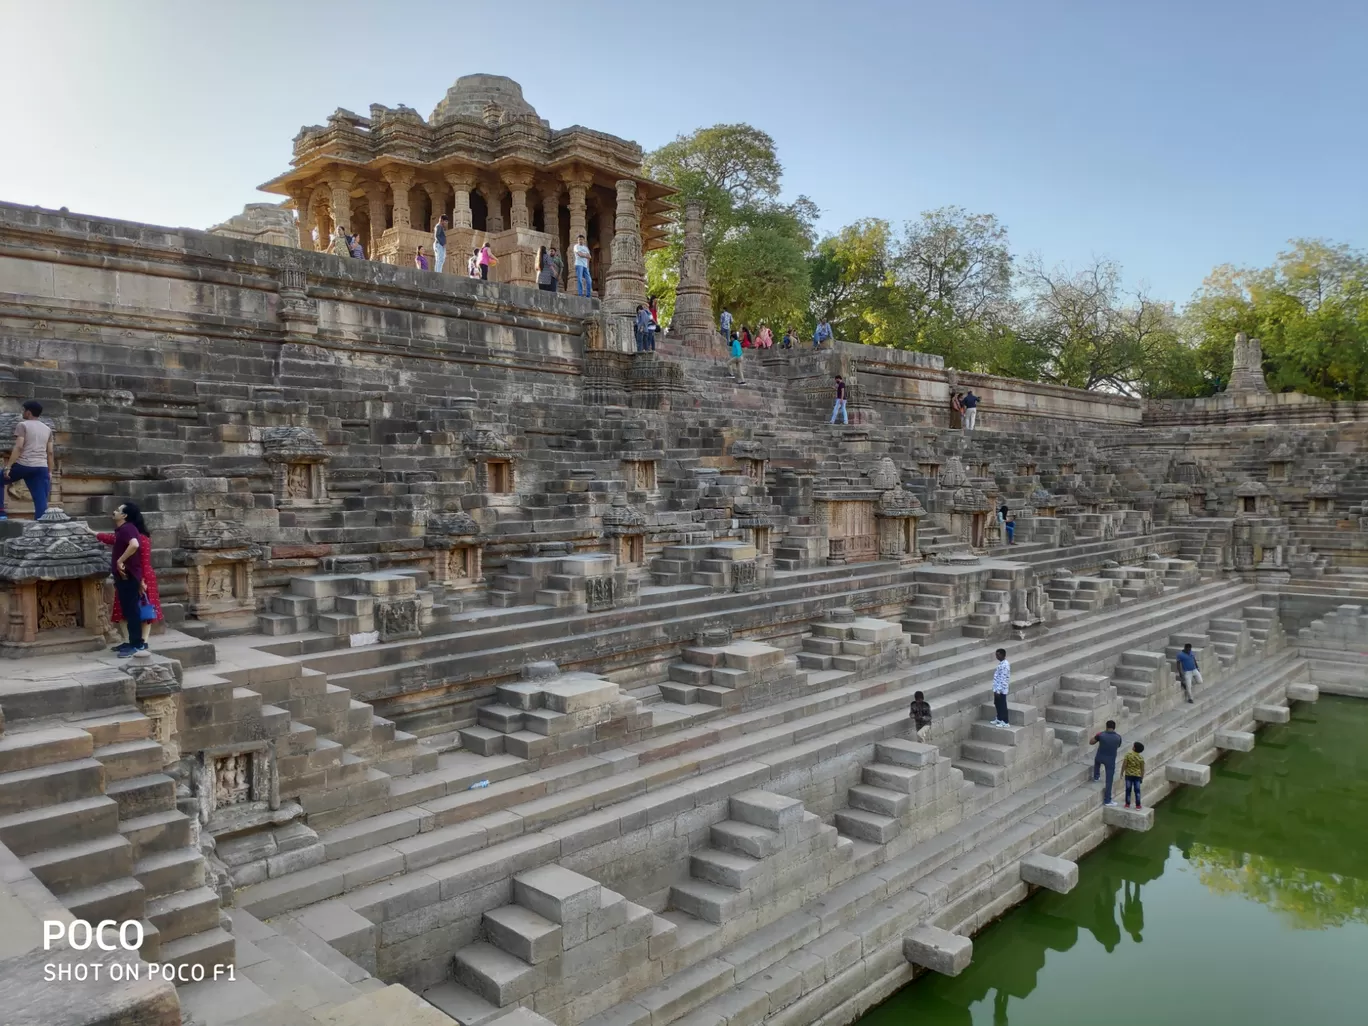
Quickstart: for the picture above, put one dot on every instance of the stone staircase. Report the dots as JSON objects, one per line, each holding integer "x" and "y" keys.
{"x": 388, "y": 603}
{"x": 84, "y": 803}
{"x": 1081, "y": 706}
{"x": 1007, "y": 757}
{"x": 1082, "y": 594}
{"x": 993, "y": 611}
{"x": 908, "y": 788}
{"x": 737, "y": 676}
{"x": 929, "y": 616}
{"x": 859, "y": 645}
{"x": 1336, "y": 645}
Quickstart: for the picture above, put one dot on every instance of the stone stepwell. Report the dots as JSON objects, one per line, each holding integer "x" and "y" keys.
{"x": 509, "y": 676}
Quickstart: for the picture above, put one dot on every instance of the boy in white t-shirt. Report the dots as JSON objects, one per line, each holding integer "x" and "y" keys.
{"x": 583, "y": 286}
{"x": 30, "y": 459}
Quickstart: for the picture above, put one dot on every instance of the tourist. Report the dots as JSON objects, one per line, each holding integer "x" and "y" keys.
{"x": 726, "y": 321}
{"x": 969, "y": 402}
{"x": 340, "y": 246}
{"x": 127, "y": 567}
{"x": 546, "y": 271}
{"x": 1188, "y": 673}
{"x": 822, "y": 334}
{"x": 655, "y": 313}
{"x": 557, "y": 269}
{"x": 957, "y": 409}
{"x": 1009, "y": 526}
{"x": 439, "y": 244}
{"x": 765, "y": 340}
{"x": 735, "y": 362}
{"x": 420, "y": 259}
{"x": 583, "y": 283}
{"x": 840, "y": 405}
{"x": 644, "y": 329}
{"x": 1002, "y": 680}
{"x": 746, "y": 342}
{"x": 1108, "y": 744}
{"x": 1133, "y": 769}
{"x": 357, "y": 250}
{"x": 150, "y": 605}
{"x": 473, "y": 264}
{"x": 921, "y": 715}
{"x": 30, "y": 459}
{"x": 487, "y": 260}
{"x": 789, "y": 339}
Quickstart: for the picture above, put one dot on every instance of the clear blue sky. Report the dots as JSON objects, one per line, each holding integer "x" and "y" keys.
{"x": 1170, "y": 136}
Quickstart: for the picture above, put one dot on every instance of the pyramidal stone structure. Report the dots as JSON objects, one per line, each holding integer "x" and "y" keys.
{"x": 507, "y": 675}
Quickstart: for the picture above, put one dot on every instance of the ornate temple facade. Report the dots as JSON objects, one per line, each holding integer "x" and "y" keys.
{"x": 488, "y": 161}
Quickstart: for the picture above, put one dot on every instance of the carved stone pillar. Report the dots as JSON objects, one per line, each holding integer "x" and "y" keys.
{"x": 375, "y": 199}
{"x": 400, "y": 181}
{"x": 493, "y": 193}
{"x": 577, "y": 184}
{"x": 437, "y": 197}
{"x": 551, "y": 213}
{"x": 340, "y": 202}
{"x": 518, "y": 183}
{"x": 461, "y": 183}
{"x": 693, "y": 316}
{"x": 303, "y": 202}
{"x": 625, "y": 282}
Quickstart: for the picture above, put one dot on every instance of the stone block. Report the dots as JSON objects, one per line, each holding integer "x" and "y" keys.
{"x": 1052, "y": 873}
{"x": 523, "y": 933}
{"x": 1302, "y": 693}
{"x": 938, "y": 950}
{"x": 1193, "y": 774}
{"x": 763, "y": 809}
{"x": 521, "y": 1017}
{"x": 900, "y": 752}
{"x": 1234, "y": 740}
{"x": 1272, "y": 714}
{"x": 867, "y": 629}
{"x": 1128, "y": 819}
{"x": 341, "y": 926}
{"x": 751, "y": 655}
{"x": 568, "y": 695}
{"x": 556, "y": 893}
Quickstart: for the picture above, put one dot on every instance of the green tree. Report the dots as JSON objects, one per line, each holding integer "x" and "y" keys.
{"x": 851, "y": 282}
{"x": 756, "y": 244}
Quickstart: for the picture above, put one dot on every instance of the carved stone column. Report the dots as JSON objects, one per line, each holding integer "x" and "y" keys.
{"x": 461, "y": 183}
{"x": 340, "y": 202}
{"x": 493, "y": 192}
{"x": 400, "y": 181}
{"x": 577, "y": 184}
{"x": 302, "y": 201}
{"x": 518, "y": 183}
{"x": 375, "y": 199}
{"x": 693, "y": 316}
{"x": 625, "y": 285}
{"x": 551, "y": 213}
{"x": 437, "y": 197}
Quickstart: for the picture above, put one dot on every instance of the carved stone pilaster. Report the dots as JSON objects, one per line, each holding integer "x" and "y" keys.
{"x": 693, "y": 317}
{"x": 625, "y": 286}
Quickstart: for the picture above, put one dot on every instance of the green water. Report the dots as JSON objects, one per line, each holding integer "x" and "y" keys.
{"x": 1246, "y": 904}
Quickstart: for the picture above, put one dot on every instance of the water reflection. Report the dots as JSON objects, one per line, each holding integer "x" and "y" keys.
{"x": 1282, "y": 829}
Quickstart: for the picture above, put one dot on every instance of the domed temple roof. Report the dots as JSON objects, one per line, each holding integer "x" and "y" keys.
{"x": 472, "y": 95}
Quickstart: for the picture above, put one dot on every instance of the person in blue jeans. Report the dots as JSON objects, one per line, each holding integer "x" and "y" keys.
{"x": 840, "y": 405}
{"x": 30, "y": 459}
{"x": 1188, "y": 674}
{"x": 1108, "y": 744}
{"x": 583, "y": 284}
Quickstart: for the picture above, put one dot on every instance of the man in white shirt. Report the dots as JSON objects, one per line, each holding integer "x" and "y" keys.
{"x": 1002, "y": 679}
{"x": 30, "y": 459}
{"x": 583, "y": 285}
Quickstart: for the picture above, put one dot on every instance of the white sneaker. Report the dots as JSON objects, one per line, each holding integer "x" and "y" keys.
{"x": 1109, "y": 803}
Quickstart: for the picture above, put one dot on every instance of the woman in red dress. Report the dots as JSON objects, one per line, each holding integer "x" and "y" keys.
{"x": 149, "y": 576}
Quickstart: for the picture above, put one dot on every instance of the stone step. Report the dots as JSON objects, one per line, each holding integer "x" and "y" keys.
{"x": 117, "y": 899}
{"x": 868, "y": 826}
{"x": 981, "y": 772}
{"x": 725, "y": 868}
{"x": 184, "y": 913}
{"x": 211, "y": 947}
{"x": 125, "y": 759}
{"x": 154, "y": 832}
{"x": 1069, "y": 715}
{"x": 65, "y": 823}
{"x": 710, "y": 902}
{"x": 882, "y": 800}
{"x": 74, "y": 867}
{"x": 50, "y": 784}
{"x": 988, "y": 752}
{"x": 745, "y": 839}
{"x": 31, "y": 749}
{"x": 165, "y": 872}
{"x": 493, "y": 974}
{"x": 462, "y": 1004}
{"x": 523, "y": 934}
{"x": 1077, "y": 699}
{"x": 113, "y": 726}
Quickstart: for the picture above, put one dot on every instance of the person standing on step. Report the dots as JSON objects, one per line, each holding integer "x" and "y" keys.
{"x": 1133, "y": 769}
{"x": 822, "y": 334}
{"x": 1002, "y": 681}
{"x": 970, "y": 403}
{"x": 439, "y": 244}
{"x": 1188, "y": 674}
{"x": 546, "y": 271}
{"x": 127, "y": 567}
{"x": 151, "y": 595}
{"x": 583, "y": 283}
{"x": 726, "y": 321}
{"x": 420, "y": 261}
{"x": 487, "y": 260}
{"x": 30, "y": 459}
{"x": 921, "y": 715}
{"x": 840, "y": 405}
{"x": 735, "y": 362}
{"x": 1108, "y": 744}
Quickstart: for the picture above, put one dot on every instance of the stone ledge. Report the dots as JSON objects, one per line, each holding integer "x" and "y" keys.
{"x": 1234, "y": 741}
{"x": 1193, "y": 774}
{"x": 1048, "y": 871}
{"x": 1128, "y": 819}
{"x": 1302, "y": 693}
{"x": 1272, "y": 714}
{"x": 938, "y": 950}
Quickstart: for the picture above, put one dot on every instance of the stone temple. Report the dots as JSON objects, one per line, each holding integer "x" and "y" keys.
{"x": 508, "y": 675}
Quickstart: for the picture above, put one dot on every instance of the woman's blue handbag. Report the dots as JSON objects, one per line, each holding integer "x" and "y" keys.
{"x": 147, "y": 612}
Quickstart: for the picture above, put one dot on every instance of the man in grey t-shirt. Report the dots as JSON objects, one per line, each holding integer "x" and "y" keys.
{"x": 1108, "y": 744}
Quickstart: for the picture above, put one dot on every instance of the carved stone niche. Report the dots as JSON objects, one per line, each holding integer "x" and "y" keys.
{"x": 601, "y": 593}
{"x": 626, "y": 529}
{"x": 236, "y": 787}
{"x": 1279, "y": 462}
{"x": 897, "y": 514}
{"x": 299, "y": 463}
{"x": 640, "y": 475}
{"x": 457, "y": 555}
{"x": 1253, "y": 497}
{"x": 218, "y": 556}
{"x": 52, "y": 588}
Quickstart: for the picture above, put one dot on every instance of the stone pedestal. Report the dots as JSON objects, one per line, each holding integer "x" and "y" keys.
{"x": 219, "y": 556}
{"x": 516, "y": 250}
{"x": 51, "y": 589}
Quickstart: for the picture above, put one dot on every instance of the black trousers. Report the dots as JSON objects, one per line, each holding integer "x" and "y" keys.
{"x": 1000, "y": 706}
{"x": 130, "y": 601}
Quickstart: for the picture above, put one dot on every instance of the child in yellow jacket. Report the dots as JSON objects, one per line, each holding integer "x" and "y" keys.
{"x": 1133, "y": 769}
